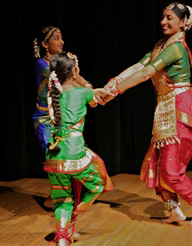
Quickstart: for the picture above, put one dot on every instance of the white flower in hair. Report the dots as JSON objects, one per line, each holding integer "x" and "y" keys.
{"x": 53, "y": 76}
{"x": 50, "y": 106}
{"x": 189, "y": 21}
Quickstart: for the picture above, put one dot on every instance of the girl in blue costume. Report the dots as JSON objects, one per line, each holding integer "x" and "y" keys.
{"x": 51, "y": 42}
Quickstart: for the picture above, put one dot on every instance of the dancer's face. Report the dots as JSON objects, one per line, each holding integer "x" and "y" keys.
{"x": 171, "y": 23}
{"x": 55, "y": 43}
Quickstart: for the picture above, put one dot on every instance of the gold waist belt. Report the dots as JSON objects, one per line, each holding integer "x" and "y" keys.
{"x": 41, "y": 108}
{"x": 68, "y": 166}
{"x": 63, "y": 138}
{"x": 173, "y": 93}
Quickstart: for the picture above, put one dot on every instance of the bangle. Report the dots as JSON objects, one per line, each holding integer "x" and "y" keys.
{"x": 87, "y": 84}
{"x": 83, "y": 82}
{"x": 94, "y": 98}
{"x": 118, "y": 79}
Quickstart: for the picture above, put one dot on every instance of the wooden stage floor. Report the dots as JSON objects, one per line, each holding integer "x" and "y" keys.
{"x": 118, "y": 218}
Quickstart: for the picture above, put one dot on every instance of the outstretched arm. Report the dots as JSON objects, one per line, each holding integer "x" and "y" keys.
{"x": 116, "y": 87}
{"x": 136, "y": 78}
{"x": 112, "y": 84}
{"x": 172, "y": 53}
{"x": 130, "y": 70}
{"x": 125, "y": 74}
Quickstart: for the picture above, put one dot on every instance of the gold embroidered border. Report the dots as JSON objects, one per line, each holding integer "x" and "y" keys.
{"x": 44, "y": 119}
{"x": 66, "y": 199}
{"x": 146, "y": 61}
{"x": 183, "y": 117}
{"x": 41, "y": 108}
{"x": 164, "y": 125}
{"x": 42, "y": 86}
{"x": 58, "y": 187}
{"x": 68, "y": 165}
{"x": 159, "y": 64}
{"x": 173, "y": 93}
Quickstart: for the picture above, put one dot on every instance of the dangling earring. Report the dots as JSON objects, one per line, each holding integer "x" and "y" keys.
{"x": 74, "y": 77}
{"x": 47, "y": 49}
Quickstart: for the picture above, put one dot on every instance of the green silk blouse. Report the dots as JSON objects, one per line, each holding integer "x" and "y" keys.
{"x": 174, "y": 58}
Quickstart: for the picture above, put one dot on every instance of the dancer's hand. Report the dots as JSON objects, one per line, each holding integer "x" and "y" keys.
{"x": 108, "y": 98}
{"x": 101, "y": 94}
{"x": 111, "y": 87}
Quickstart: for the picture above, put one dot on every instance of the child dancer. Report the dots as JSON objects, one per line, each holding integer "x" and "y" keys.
{"x": 67, "y": 156}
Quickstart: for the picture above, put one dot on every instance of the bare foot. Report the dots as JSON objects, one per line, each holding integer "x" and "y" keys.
{"x": 176, "y": 216}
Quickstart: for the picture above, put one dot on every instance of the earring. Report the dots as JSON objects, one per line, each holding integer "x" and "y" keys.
{"x": 47, "y": 49}
{"x": 74, "y": 77}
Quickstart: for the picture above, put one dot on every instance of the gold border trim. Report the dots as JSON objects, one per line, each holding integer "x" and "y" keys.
{"x": 183, "y": 117}
{"x": 41, "y": 108}
{"x": 58, "y": 187}
{"x": 65, "y": 166}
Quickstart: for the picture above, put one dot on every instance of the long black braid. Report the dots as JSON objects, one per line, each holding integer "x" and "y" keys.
{"x": 62, "y": 64}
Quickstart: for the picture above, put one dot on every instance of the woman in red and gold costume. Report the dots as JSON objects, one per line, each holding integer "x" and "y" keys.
{"x": 170, "y": 151}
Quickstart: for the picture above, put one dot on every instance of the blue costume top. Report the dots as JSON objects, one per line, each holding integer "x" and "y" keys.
{"x": 41, "y": 117}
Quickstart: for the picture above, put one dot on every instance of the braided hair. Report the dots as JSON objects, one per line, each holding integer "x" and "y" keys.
{"x": 60, "y": 67}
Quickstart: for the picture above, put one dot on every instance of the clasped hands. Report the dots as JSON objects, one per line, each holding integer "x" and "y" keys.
{"x": 106, "y": 94}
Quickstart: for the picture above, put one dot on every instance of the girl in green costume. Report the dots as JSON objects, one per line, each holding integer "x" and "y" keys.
{"x": 67, "y": 157}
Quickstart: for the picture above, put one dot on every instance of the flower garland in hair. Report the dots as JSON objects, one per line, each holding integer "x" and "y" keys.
{"x": 53, "y": 77}
{"x": 50, "y": 107}
{"x": 189, "y": 21}
{"x": 36, "y": 48}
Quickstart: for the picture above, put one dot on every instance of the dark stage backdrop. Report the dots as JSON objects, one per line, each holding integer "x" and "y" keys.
{"x": 108, "y": 36}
